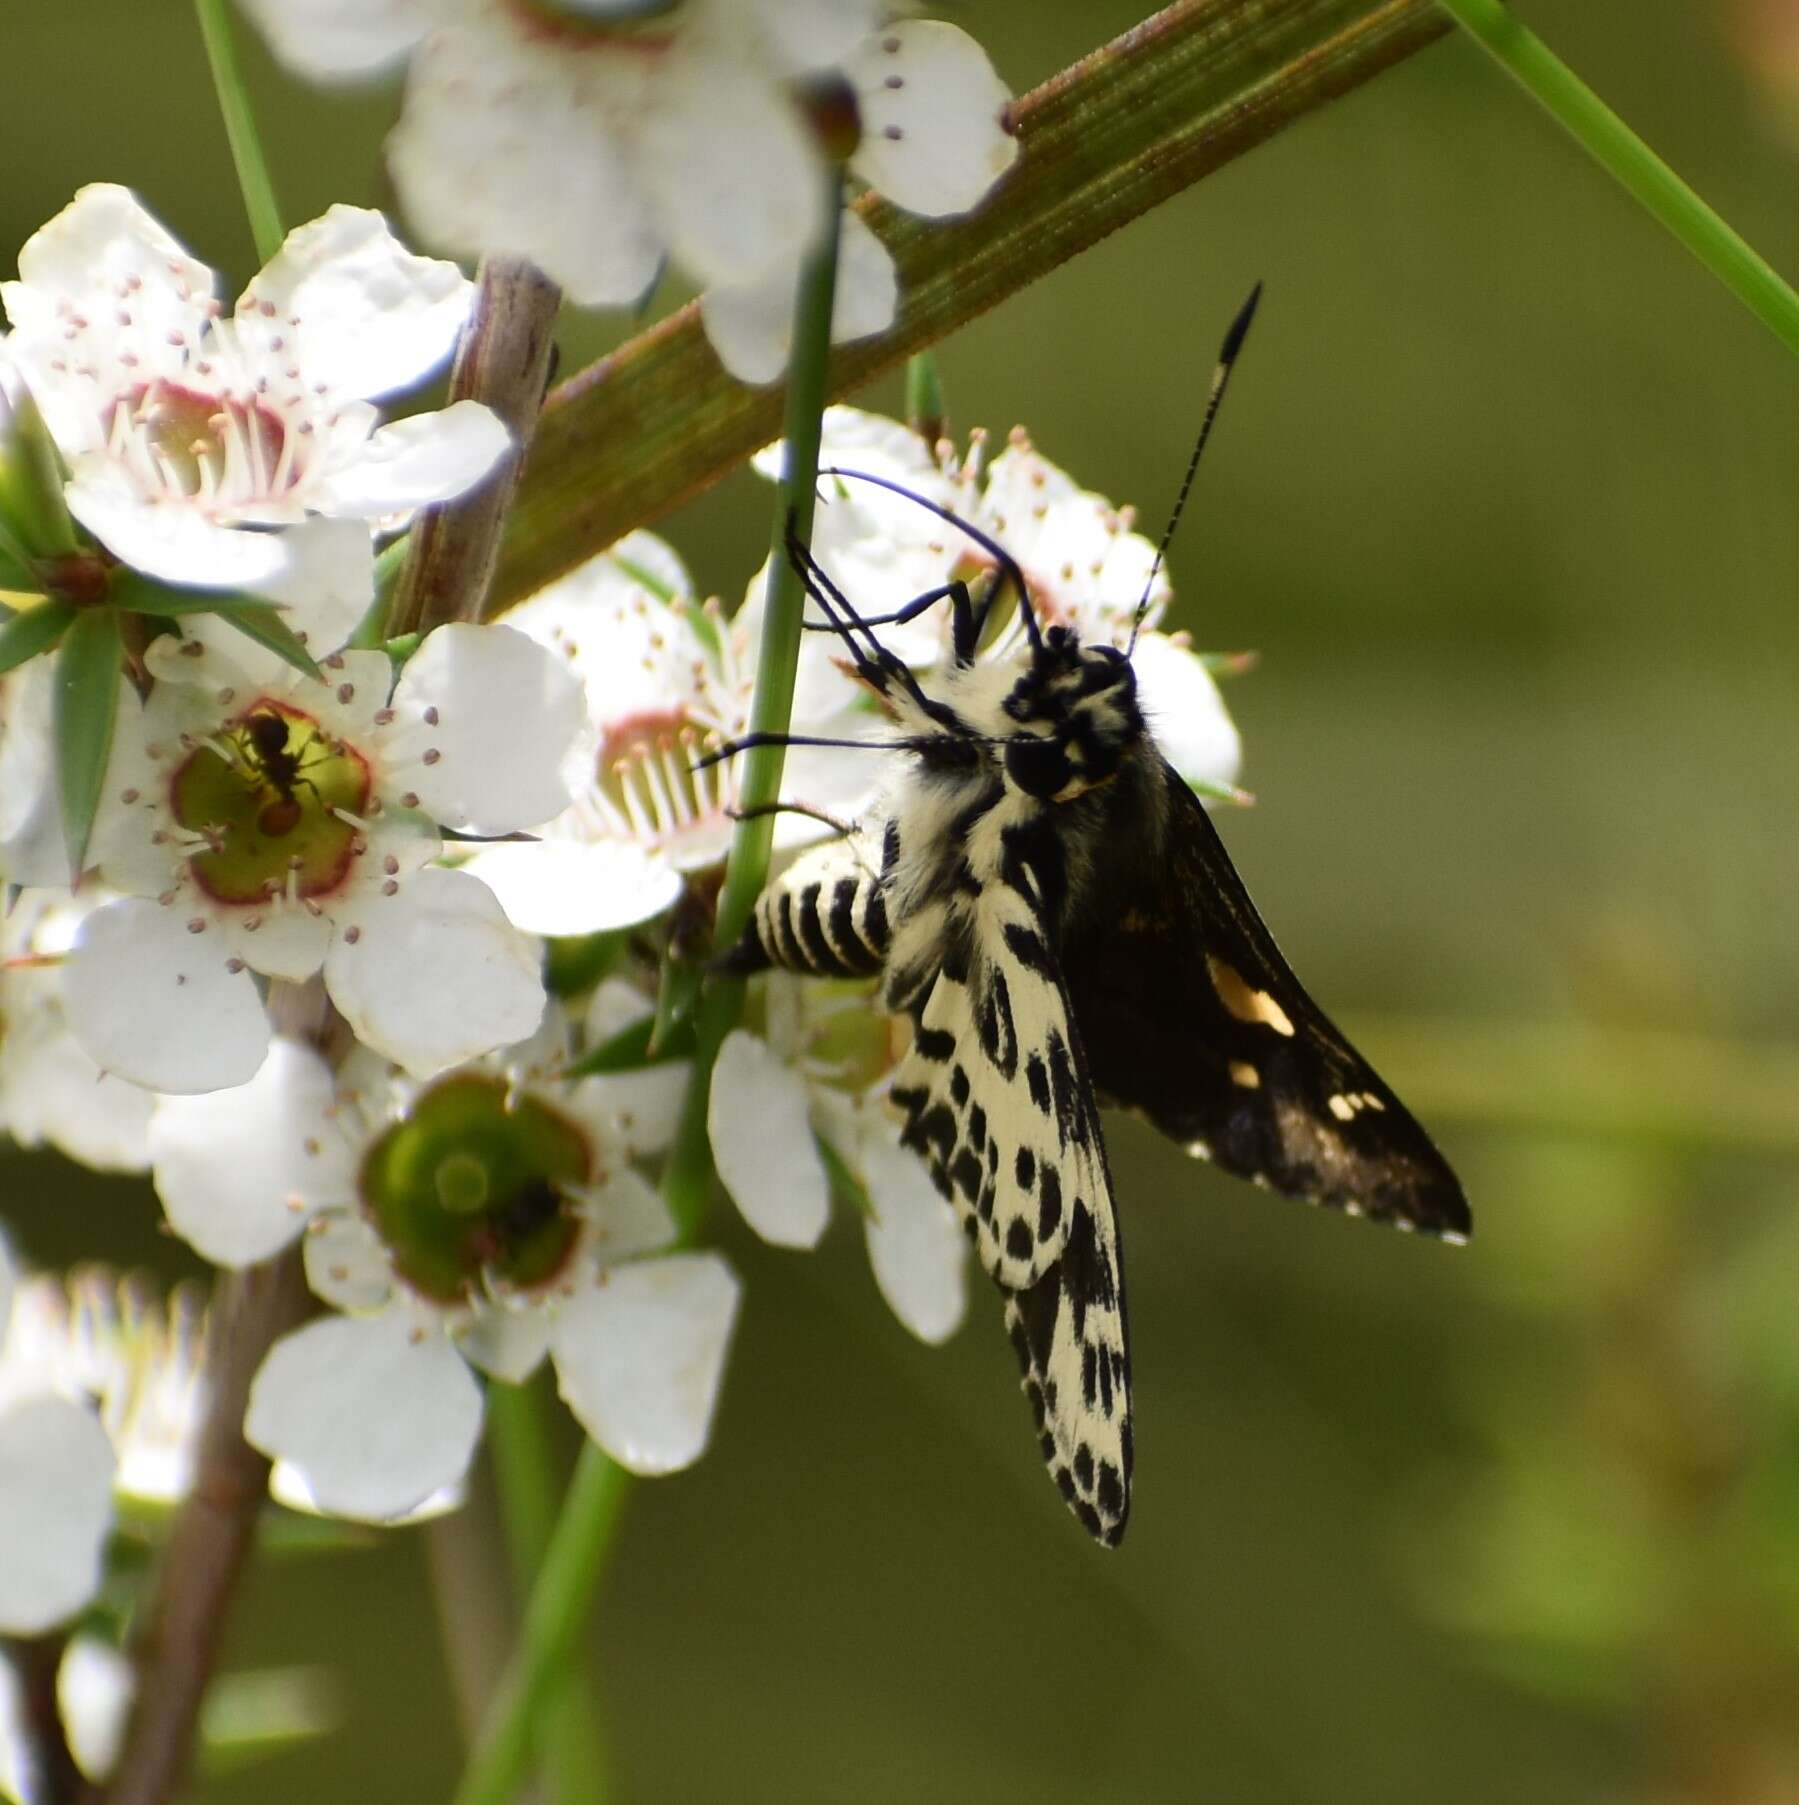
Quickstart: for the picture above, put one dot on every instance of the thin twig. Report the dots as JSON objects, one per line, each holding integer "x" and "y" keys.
{"x": 504, "y": 361}
{"x": 178, "y": 1639}
{"x": 46, "y": 1765}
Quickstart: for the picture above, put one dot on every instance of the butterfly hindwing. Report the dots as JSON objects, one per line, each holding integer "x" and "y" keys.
{"x": 1190, "y": 1014}
{"x": 998, "y": 1102}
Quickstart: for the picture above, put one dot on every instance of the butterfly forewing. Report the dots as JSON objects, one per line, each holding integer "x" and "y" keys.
{"x": 1191, "y": 1015}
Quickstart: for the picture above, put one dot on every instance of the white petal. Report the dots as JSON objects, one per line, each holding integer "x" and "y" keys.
{"x": 751, "y": 327}
{"x": 509, "y": 1344}
{"x": 50, "y": 1090}
{"x": 327, "y": 584}
{"x": 558, "y": 886}
{"x": 365, "y": 315}
{"x": 915, "y": 1245}
{"x": 1183, "y": 707}
{"x": 94, "y": 1688}
{"x": 635, "y": 1111}
{"x": 931, "y": 105}
{"x": 375, "y": 1414}
{"x": 510, "y": 147}
{"x": 347, "y": 1263}
{"x": 157, "y": 1004}
{"x": 759, "y": 1120}
{"x": 639, "y": 1356}
{"x": 805, "y": 35}
{"x": 728, "y": 165}
{"x": 626, "y": 1217}
{"x": 106, "y": 299}
{"x": 287, "y": 942}
{"x": 32, "y": 850}
{"x": 505, "y": 713}
{"x": 434, "y": 974}
{"x": 239, "y": 1171}
{"x": 56, "y": 1468}
{"x": 170, "y": 540}
{"x": 324, "y": 38}
{"x": 425, "y": 457}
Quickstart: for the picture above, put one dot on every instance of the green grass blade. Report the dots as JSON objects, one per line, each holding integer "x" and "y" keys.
{"x": 1623, "y": 155}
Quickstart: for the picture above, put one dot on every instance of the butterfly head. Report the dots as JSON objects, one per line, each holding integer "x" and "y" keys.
{"x": 1075, "y": 718}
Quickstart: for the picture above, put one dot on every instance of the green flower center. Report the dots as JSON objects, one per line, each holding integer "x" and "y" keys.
{"x": 474, "y": 1184}
{"x": 266, "y": 796}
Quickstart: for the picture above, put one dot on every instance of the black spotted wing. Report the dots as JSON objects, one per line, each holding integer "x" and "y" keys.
{"x": 998, "y": 1103}
{"x": 1189, "y": 1014}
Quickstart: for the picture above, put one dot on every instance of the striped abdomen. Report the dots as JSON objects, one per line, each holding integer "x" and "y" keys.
{"x": 830, "y": 927}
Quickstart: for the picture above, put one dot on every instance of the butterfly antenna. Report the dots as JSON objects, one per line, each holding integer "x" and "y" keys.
{"x": 1221, "y": 375}
{"x": 1008, "y": 565}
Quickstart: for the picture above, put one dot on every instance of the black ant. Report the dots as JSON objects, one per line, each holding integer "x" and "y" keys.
{"x": 276, "y": 765}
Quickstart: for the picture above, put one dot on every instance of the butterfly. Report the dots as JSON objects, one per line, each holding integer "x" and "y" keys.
{"x": 1053, "y": 908}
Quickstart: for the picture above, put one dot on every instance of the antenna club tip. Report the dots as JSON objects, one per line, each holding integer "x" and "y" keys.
{"x": 1233, "y": 340}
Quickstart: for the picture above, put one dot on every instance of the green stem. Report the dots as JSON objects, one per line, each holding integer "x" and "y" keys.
{"x": 521, "y": 1442}
{"x": 583, "y": 1535}
{"x": 240, "y": 127}
{"x": 552, "y": 1627}
{"x": 1619, "y": 151}
{"x": 687, "y": 1179}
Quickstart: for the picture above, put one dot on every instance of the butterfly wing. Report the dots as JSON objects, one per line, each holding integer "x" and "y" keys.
{"x": 998, "y": 1102}
{"x": 1190, "y": 1014}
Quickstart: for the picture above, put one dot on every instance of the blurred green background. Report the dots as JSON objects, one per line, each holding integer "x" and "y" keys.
{"x": 1504, "y": 495}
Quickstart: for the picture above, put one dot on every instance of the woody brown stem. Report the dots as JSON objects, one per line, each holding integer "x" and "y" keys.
{"x": 503, "y": 360}
{"x": 177, "y": 1643}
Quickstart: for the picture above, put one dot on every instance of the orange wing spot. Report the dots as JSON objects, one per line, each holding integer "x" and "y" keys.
{"x": 1245, "y": 1003}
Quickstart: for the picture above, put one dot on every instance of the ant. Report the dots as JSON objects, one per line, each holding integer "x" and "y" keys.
{"x": 275, "y": 764}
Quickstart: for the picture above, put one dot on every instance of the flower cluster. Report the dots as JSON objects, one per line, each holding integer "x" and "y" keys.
{"x": 373, "y": 948}
{"x": 603, "y": 147}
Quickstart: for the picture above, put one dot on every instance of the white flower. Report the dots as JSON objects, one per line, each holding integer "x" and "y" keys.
{"x": 491, "y": 1217}
{"x": 1086, "y": 565}
{"x": 188, "y": 435}
{"x": 50, "y": 1089}
{"x": 599, "y": 150}
{"x": 276, "y": 824}
{"x": 102, "y": 1389}
{"x": 32, "y": 850}
{"x": 818, "y": 1080}
{"x": 94, "y": 1687}
{"x": 667, "y": 682}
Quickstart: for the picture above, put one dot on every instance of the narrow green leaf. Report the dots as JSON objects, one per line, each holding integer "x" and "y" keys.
{"x": 577, "y": 962}
{"x": 33, "y": 630}
{"x": 924, "y": 396}
{"x": 16, "y": 575}
{"x": 264, "y": 624}
{"x": 371, "y": 630}
{"x": 87, "y": 698}
{"x": 843, "y": 1181}
{"x": 31, "y": 480}
{"x": 632, "y": 1049}
{"x": 399, "y": 650}
{"x": 132, "y": 590}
